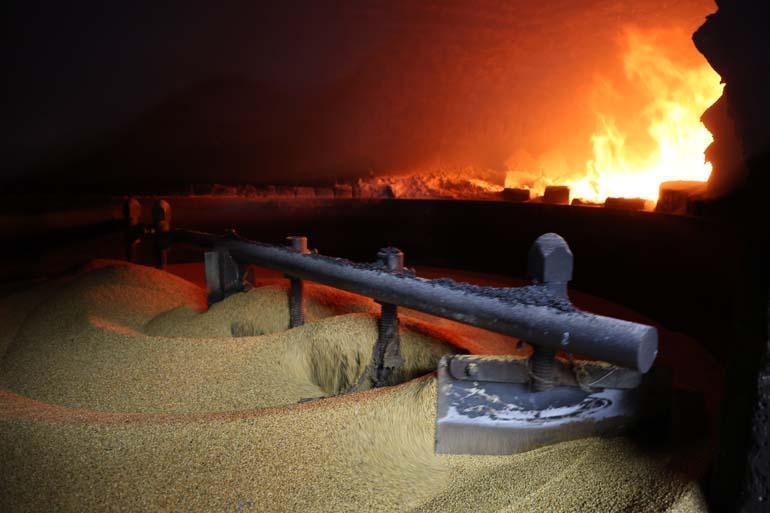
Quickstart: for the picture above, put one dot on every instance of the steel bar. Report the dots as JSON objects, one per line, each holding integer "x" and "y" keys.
{"x": 550, "y": 263}
{"x": 531, "y": 313}
{"x": 387, "y": 349}
{"x": 297, "y": 286}
{"x": 223, "y": 275}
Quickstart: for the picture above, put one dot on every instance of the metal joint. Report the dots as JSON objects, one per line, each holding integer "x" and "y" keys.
{"x": 296, "y": 285}
{"x": 387, "y": 350}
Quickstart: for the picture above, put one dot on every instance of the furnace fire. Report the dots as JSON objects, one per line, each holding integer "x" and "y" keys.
{"x": 649, "y": 127}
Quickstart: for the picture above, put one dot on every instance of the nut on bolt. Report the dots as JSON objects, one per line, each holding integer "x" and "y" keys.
{"x": 298, "y": 243}
{"x": 391, "y": 258}
{"x": 550, "y": 262}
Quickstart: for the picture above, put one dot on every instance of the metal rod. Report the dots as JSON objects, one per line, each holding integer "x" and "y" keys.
{"x": 533, "y": 313}
{"x": 297, "y": 286}
{"x": 387, "y": 349}
{"x": 223, "y": 275}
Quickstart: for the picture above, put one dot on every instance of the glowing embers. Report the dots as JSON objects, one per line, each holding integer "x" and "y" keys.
{"x": 649, "y": 123}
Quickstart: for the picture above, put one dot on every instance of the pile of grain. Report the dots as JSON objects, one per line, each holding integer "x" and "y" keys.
{"x": 119, "y": 392}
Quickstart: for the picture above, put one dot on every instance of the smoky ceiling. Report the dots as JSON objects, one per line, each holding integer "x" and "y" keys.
{"x": 302, "y": 93}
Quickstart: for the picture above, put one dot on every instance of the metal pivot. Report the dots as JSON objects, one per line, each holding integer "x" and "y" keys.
{"x": 506, "y": 405}
{"x": 223, "y": 275}
{"x": 550, "y": 264}
{"x": 387, "y": 349}
{"x": 132, "y": 213}
{"x": 296, "y": 285}
{"x": 161, "y": 219}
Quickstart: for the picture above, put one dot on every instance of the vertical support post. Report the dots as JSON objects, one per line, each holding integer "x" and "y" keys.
{"x": 161, "y": 218}
{"x": 132, "y": 213}
{"x": 387, "y": 349}
{"x": 296, "y": 286}
{"x": 215, "y": 290}
{"x": 550, "y": 264}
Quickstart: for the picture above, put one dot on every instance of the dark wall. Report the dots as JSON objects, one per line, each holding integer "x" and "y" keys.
{"x": 735, "y": 41}
{"x": 153, "y": 94}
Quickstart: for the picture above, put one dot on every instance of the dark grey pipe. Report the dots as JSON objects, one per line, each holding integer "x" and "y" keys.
{"x": 533, "y": 314}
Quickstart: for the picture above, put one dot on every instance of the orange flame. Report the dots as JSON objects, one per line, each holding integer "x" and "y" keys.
{"x": 676, "y": 95}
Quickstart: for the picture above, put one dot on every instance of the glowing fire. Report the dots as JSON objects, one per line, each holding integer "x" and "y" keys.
{"x": 675, "y": 97}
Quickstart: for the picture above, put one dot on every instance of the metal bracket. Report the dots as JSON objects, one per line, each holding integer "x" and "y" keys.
{"x": 504, "y": 417}
{"x": 386, "y": 356}
{"x": 588, "y": 375}
{"x": 224, "y": 276}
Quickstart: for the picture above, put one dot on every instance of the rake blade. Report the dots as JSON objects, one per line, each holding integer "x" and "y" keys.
{"x": 492, "y": 417}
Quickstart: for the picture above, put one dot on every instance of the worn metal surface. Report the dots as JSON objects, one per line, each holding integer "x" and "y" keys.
{"x": 489, "y": 417}
{"x": 549, "y": 264}
{"x": 530, "y": 313}
{"x": 386, "y": 355}
{"x": 297, "y": 243}
{"x": 588, "y": 375}
{"x": 223, "y": 275}
{"x": 503, "y": 406}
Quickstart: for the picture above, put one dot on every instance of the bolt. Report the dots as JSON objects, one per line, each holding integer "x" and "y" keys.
{"x": 391, "y": 258}
{"x": 543, "y": 367}
{"x": 161, "y": 218}
{"x": 296, "y": 285}
{"x": 472, "y": 370}
{"x": 298, "y": 243}
{"x": 550, "y": 264}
